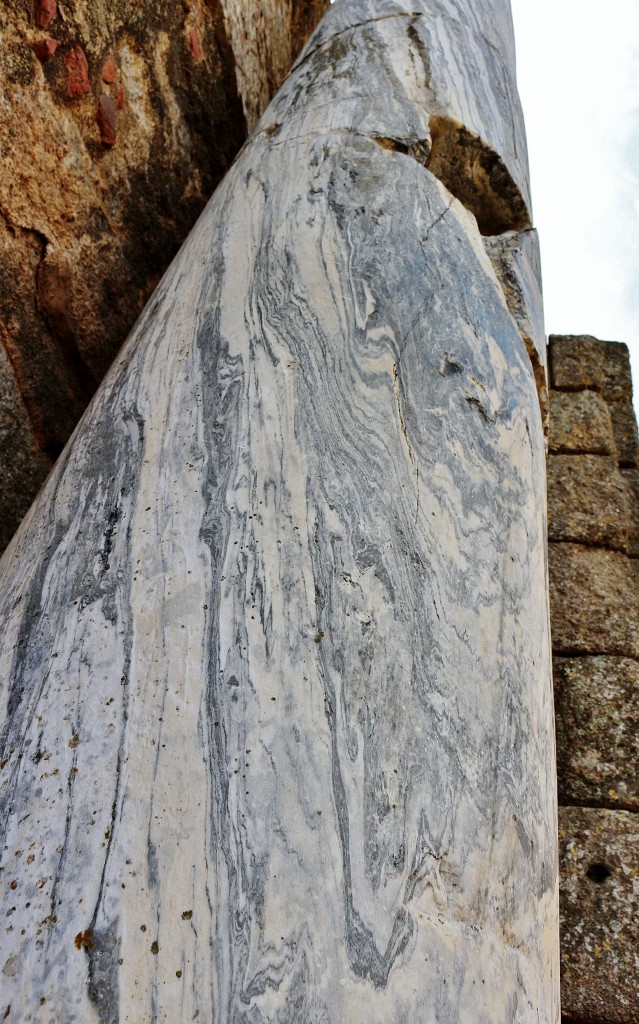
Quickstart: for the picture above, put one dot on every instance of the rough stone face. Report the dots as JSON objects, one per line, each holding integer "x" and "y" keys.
{"x": 75, "y": 62}
{"x": 581, "y": 362}
{"x": 594, "y": 601}
{"x": 45, "y": 12}
{"x": 588, "y": 501}
{"x": 631, "y": 478}
{"x": 45, "y": 48}
{"x": 24, "y": 464}
{"x": 107, "y": 118}
{"x": 117, "y": 120}
{"x": 275, "y": 659}
{"x": 599, "y": 859}
{"x": 595, "y": 610}
{"x": 595, "y": 621}
{"x": 68, "y": 384}
{"x": 580, "y": 423}
{"x": 597, "y": 717}
{"x": 624, "y": 427}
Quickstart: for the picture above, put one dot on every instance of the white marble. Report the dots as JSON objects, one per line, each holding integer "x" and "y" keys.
{"x": 449, "y": 59}
{"x": 275, "y": 670}
{"x": 516, "y": 259}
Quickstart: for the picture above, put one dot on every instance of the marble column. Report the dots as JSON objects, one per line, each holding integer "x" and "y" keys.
{"x": 275, "y": 672}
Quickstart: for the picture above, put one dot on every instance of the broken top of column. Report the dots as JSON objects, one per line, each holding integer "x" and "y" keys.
{"x": 455, "y": 105}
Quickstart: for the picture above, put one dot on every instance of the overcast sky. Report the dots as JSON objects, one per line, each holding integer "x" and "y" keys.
{"x": 578, "y": 75}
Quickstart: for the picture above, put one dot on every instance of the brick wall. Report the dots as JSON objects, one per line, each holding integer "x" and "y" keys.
{"x": 593, "y": 532}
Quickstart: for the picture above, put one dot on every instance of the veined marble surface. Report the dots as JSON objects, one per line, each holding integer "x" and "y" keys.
{"x": 274, "y": 669}
{"x": 371, "y": 62}
{"x": 517, "y": 262}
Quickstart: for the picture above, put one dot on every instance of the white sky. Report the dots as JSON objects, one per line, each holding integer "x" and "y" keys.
{"x": 578, "y": 75}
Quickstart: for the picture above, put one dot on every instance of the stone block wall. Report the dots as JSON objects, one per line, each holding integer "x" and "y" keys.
{"x": 593, "y": 515}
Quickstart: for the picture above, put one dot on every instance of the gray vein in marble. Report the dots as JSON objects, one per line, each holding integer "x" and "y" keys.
{"x": 275, "y": 670}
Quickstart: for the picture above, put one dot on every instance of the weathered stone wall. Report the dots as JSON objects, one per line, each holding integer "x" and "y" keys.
{"x": 117, "y": 121}
{"x": 593, "y": 514}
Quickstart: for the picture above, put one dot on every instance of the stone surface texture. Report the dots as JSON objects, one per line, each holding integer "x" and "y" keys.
{"x": 589, "y": 501}
{"x": 581, "y": 363}
{"x": 275, "y": 681}
{"x": 599, "y": 858}
{"x": 24, "y": 464}
{"x": 594, "y": 590}
{"x": 624, "y": 426}
{"x": 117, "y": 120}
{"x": 597, "y": 708}
{"x": 594, "y": 601}
{"x": 631, "y": 478}
{"x": 580, "y": 423}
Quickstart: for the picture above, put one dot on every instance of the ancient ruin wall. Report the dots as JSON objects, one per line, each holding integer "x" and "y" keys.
{"x": 593, "y": 529}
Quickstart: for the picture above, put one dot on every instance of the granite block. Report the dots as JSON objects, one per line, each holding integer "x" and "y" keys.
{"x": 624, "y": 427}
{"x": 615, "y": 371}
{"x": 631, "y": 478}
{"x": 599, "y": 900}
{"x": 588, "y": 501}
{"x": 597, "y": 721}
{"x": 580, "y": 362}
{"x": 594, "y": 601}
{"x": 580, "y": 423}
